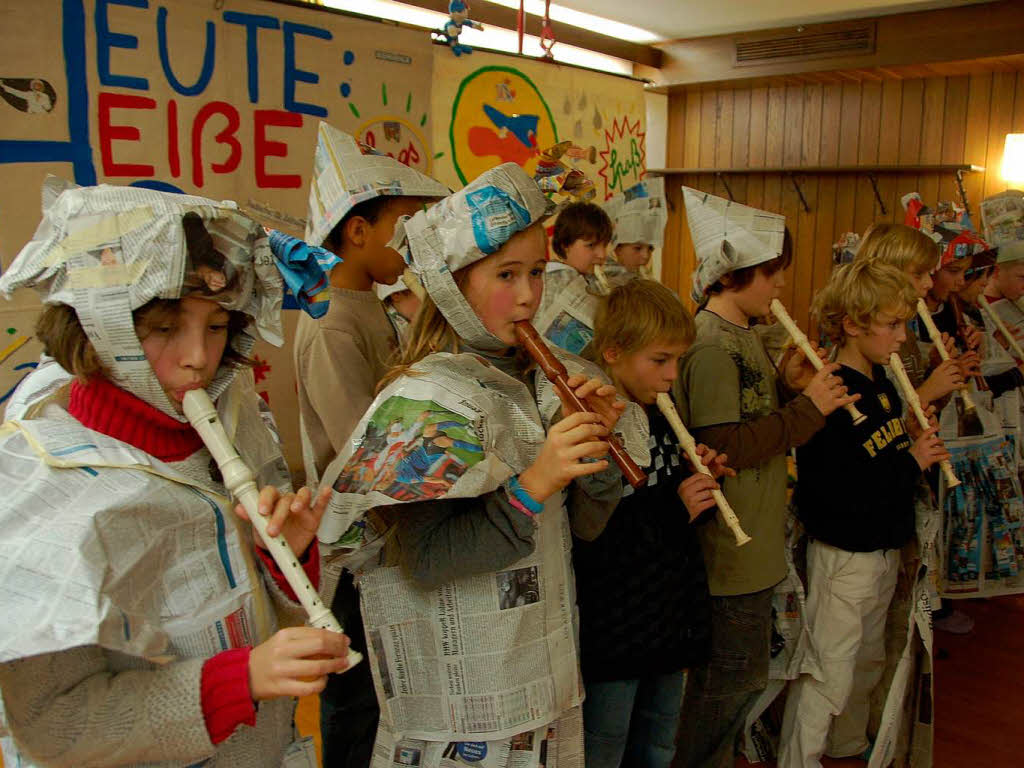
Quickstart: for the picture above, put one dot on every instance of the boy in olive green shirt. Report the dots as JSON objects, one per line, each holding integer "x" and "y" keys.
{"x": 728, "y": 393}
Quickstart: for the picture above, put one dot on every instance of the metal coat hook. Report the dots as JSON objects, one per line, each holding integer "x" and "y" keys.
{"x": 878, "y": 196}
{"x": 725, "y": 183}
{"x": 963, "y": 193}
{"x": 799, "y": 192}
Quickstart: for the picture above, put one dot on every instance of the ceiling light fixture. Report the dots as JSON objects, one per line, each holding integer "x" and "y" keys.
{"x": 495, "y": 38}
{"x": 583, "y": 20}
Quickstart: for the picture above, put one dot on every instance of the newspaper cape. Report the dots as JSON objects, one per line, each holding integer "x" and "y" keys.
{"x": 483, "y": 668}
{"x": 133, "y": 556}
{"x": 566, "y": 314}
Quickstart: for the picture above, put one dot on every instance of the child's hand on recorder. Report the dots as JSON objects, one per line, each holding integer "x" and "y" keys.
{"x": 295, "y": 662}
{"x": 695, "y": 493}
{"x": 290, "y": 514}
{"x": 797, "y": 370}
{"x": 715, "y": 462}
{"x": 946, "y": 378}
{"x": 928, "y": 448}
{"x": 575, "y": 437}
{"x": 914, "y": 428}
{"x": 949, "y": 343}
{"x": 603, "y": 398}
{"x": 827, "y": 391}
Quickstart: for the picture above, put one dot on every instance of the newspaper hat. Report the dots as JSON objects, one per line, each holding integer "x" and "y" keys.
{"x": 728, "y": 236}
{"x": 346, "y": 173}
{"x": 106, "y": 251}
{"x": 465, "y": 227}
{"x": 639, "y": 213}
{"x": 1011, "y": 251}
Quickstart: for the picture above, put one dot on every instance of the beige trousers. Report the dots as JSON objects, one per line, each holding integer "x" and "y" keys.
{"x": 848, "y": 598}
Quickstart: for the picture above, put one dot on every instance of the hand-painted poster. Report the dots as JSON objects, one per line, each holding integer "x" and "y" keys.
{"x": 222, "y": 100}
{"x": 217, "y": 99}
{"x": 491, "y": 109}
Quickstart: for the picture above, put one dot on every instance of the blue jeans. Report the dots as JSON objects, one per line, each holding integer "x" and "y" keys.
{"x": 632, "y": 722}
{"x": 720, "y": 693}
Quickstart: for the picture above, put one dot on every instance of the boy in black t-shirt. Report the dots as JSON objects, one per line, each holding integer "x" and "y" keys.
{"x": 855, "y": 497}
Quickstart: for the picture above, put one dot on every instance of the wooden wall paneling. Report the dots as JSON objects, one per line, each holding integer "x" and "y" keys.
{"x": 979, "y": 108}
{"x": 1018, "y": 106}
{"x": 691, "y": 145}
{"x": 708, "y": 122}
{"x": 775, "y": 132}
{"x": 741, "y": 127}
{"x": 849, "y": 124}
{"x": 789, "y": 206}
{"x": 932, "y": 128}
{"x": 867, "y": 154}
{"x": 671, "y": 264}
{"x": 825, "y": 234}
{"x": 953, "y": 130}
{"x": 804, "y": 253}
{"x": 889, "y": 144}
{"x": 831, "y": 118}
{"x": 810, "y": 140}
{"x": 1004, "y": 87}
{"x": 793, "y": 125}
{"x": 676, "y": 135}
{"x": 758, "y": 145}
{"x": 724, "y": 133}
{"x": 758, "y": 126}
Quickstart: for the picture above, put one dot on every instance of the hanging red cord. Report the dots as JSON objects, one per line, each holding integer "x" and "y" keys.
{"x": 520, "y": 22}
{"x": 547, "y": 33}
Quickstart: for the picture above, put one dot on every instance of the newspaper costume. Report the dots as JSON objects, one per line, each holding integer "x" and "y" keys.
{"x": 728, "y": 236}
{"x": 346, "y": 173}
{"x": 398, "y": 321}
{"x": 639, "y": 213}
{"x": 566, "y": 313}
{"x": 483, "y": 668}
{"x": 144, "y": 568}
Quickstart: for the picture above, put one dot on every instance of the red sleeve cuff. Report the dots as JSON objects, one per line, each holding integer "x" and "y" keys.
{"x": 224, "y": 693}
{"x": 310, "y": 562}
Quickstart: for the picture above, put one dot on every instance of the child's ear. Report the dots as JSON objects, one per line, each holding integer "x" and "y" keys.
{"x": 850, "y": 328}
{"x": 357, "y": 231}
{"x": 611, "y": 355}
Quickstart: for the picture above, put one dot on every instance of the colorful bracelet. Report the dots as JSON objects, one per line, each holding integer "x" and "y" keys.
{"x": 521, "y": 499}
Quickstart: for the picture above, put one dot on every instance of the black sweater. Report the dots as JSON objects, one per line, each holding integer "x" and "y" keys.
{"x": 641, "y": 585}
{"x": 855, "y": 485}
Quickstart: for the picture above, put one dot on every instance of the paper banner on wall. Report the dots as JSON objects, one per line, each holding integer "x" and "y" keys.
{"x": 221, "y": 102}
{"x": 491, "y": 109}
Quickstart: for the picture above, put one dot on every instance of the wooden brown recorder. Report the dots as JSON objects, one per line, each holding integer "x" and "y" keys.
{"x": 800, "y": 339}
{"x": 559, "y": 376}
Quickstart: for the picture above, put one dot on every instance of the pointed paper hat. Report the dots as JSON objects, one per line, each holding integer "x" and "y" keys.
{"x": 106, "y": 251}
{"x": 728, "y": 236}
{"x": 465, "y": 227}
{"x": 346, "y": 173}
{"x": 639, "y": 213}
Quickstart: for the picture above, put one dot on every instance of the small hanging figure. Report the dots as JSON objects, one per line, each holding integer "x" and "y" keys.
{"x": 458, "y": 10}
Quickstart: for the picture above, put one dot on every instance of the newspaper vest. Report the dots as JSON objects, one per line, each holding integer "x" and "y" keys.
{"x": 133, "y": 556}
{"x": 486, "y": 663}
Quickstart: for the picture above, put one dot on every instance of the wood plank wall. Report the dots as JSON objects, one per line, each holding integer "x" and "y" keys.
{"x": 910, "y": 121}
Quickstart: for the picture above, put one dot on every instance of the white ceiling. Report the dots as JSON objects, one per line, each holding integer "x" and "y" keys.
{"x": 676, "y": 19}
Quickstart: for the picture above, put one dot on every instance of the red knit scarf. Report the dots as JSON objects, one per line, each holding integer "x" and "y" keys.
{"x": 103, "y": 406}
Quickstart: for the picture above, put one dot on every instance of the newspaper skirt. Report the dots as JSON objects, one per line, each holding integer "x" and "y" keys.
{"x": 488, "y": 660}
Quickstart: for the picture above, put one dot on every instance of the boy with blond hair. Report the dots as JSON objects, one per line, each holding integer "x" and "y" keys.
{"x": 646, "y": 552}
{"x": 855, "y": 497}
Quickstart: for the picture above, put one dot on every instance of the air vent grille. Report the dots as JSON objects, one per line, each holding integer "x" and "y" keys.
{"x": 819, "y": 43}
